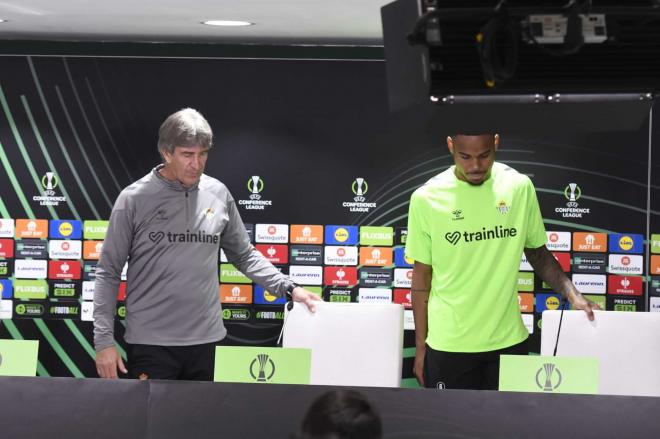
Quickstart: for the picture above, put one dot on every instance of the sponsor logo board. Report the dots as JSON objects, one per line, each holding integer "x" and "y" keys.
{"x": 341, "y": 235}
{"x": 87, "y": 311}
{"x": 65, "y": 229}
{"x": 32, "y": 248}
{"x": 306, "y": 234}
{"x": 340, "y": 255}
{"x": 332, "y": 294}
{"x": 272, "y": 233}
{"x": 589, "y": 242}
{"x": 31, "y": 228}
{"x": 6, "y": 248}
{"x": 88, "y": 290}
{"x": 626, "y": 243}
{"x": 306, "y": 274}
{"x": 590, "y": 283}
{"x": 558, "y": 241}
{"x": 30, "y": 269}
{"x": 340, "y": 276}
{"x": 400, "y": 259}
{"x": 549, "y": 301}
{"x": 58, "y": 249}
{"x": 6, "y": 268}
{"x": 306, "y": 255}
{"x": 6, "y": 309}
{"x": 265, "y": 297}
{"x": 375, "y": 295}
{"x": 6, "y": 289}
{"x": 64, "y": 270}
{"x": 6, "y": 228}
{"x": 624, "y": 303}
{"x": 526, "y": 302}
{"x": 376, "y": 236}
{"x": 92, "y": 250}
{"x": 524, "y": 264}
{"x": 275, "y": 253}
{"x": 64, "y": 310}
{"x": 375, "y": 277}
{"x": 64, "y": 289}
{"x": 589, "y": 263}
{"x": 376, "y": 256}
{"x": 236, "y": 294}
{"x": 29, "y": 309}
{"x": 95, "y": 230}
{"x": 625, "y": 285}
{"x": 403, "y": 277}
{"x": 564, "y": 260}
{"x": 525, "y": 281}
{"x": 402, "y": 297}
{"x": 625, "y": 264}
{"x": 232, "y": 275}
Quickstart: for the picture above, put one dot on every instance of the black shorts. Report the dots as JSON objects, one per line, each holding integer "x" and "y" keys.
{"x": 194, "y": 362}
{"x": 466, "y": 370}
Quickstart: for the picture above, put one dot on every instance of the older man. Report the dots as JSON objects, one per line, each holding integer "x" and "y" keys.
{"x": 170, "y": 226}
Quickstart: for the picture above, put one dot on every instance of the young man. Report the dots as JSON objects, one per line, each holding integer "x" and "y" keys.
{"x": 467, "y": 229}
{"x": 170, "y": 225}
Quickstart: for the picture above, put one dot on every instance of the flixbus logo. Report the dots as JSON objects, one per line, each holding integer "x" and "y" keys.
{"x": 497, "y": 232}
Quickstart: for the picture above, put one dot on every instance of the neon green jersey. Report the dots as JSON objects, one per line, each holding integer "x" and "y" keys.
{"x": 473, "y": 237}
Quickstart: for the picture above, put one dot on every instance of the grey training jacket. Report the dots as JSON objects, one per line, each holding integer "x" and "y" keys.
{"x": 171, "y": 237}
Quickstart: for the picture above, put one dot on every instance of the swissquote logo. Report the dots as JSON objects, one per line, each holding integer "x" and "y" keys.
{"x": 200, "y": 237}
{"x": 497, "y": 232}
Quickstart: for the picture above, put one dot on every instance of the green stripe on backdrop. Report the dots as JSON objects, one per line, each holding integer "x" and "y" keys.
{"x": 409, "y": 352}
{"x": 118, "y": 155}
{"x": 81, "y": 338}
{"x": 56, "y": 132}
{"x": 16, "y": 335}
{"x": 44, "y": 151}
{"x": 57, "y": 347}
{"x": 83, "y": 153}
{"x": 14, "y": 183}
{"x": 89, "y": 125}
{"x": 3, "y": 209}
{"x": 21, "y": 147}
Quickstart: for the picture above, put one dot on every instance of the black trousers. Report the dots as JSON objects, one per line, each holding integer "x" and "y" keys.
{"x": 194, "y": 362}
{"x": 466, "y": 370}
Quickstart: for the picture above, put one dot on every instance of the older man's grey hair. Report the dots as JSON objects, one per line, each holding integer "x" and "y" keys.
{"x": 187, "y": 128}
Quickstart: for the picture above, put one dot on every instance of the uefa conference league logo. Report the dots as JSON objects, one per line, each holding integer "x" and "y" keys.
{"x": 255, "y": 186}
{"x": 572, "y": 192}
{"x": 49, "y": 182}
{"x": 359, "y": 187}
{"x": 552, "y": 377}
{"x": 264, "y": 366}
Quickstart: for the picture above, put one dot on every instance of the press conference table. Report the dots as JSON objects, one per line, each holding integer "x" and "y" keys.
{"x": 94, "y": 408}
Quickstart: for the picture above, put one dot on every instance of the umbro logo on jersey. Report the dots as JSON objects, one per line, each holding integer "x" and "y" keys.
{"x": 497, "y": 232}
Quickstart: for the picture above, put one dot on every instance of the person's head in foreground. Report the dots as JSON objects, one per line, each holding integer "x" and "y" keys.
{"x": 473, "y": 156}
{"x": 341, "y": 414}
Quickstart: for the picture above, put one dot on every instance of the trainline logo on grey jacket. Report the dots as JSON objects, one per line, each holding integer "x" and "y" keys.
{"x": 171, "y": 237}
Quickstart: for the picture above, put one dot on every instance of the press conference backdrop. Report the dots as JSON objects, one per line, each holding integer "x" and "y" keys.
{"x": 322, "y": 174}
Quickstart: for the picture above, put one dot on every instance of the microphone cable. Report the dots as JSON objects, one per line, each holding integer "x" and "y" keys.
{"x": 562, "y": 304}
